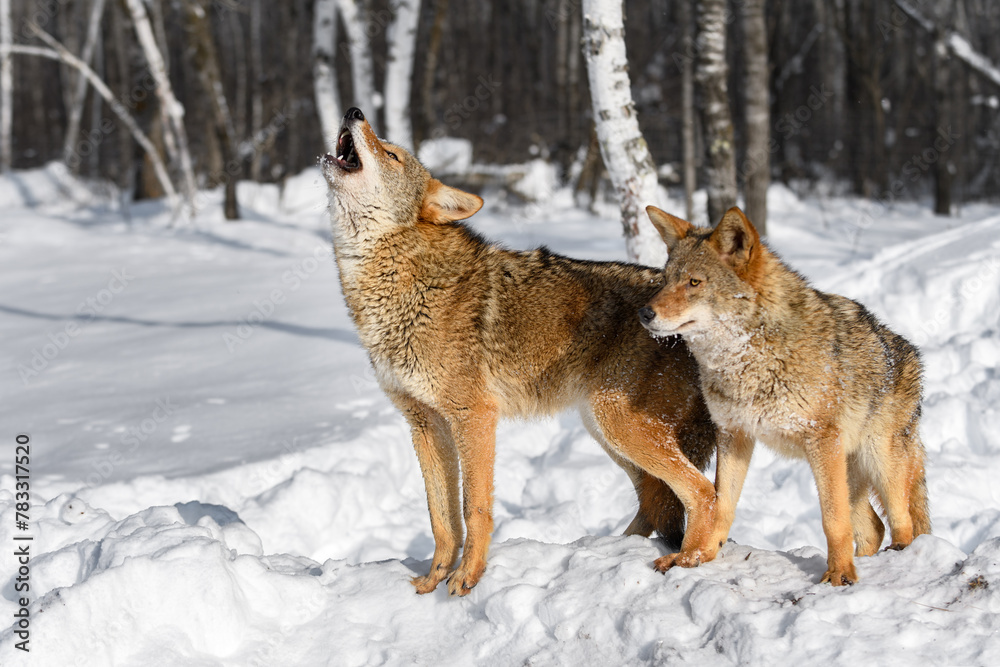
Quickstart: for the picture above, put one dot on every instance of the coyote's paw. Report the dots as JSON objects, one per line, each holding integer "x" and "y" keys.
{"x": 682, "y": 559}
{"x": 897, "y": 546}
{"x": 840, "y": 576}
{"x": 462, "y": 580}
{"x": 426, "y": 583}
{"x": 429, "y": 581}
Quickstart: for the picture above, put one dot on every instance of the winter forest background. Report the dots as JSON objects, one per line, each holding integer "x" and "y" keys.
{"x": 859, "y": 91}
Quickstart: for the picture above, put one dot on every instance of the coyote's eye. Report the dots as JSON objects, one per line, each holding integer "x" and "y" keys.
{"x": 694, "y": 282}
{"x": 392, "y": 155}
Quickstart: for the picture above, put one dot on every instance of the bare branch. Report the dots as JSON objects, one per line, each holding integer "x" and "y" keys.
{"x": 60, "y": 52}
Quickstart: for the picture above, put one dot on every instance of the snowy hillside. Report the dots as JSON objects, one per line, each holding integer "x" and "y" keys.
{"x": 216, "y": 479}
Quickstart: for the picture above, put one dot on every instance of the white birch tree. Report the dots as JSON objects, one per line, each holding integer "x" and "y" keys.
{"x": 402, "y": 41}
{"x": 173, "y": 109}
{"x": 6, "y": 86}
{"x": 757, "y": 166}
{"x": 324, "y": 74}
{"x": 711, "y": 74}
{"x": 79, "y": 94}
{"x": 359, "y": 49}
{"x": 625, "y": 152}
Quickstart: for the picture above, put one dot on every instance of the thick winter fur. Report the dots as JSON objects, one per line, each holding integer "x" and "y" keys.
{"x": 810, "y": 374}
{"x": 462, "y": 332}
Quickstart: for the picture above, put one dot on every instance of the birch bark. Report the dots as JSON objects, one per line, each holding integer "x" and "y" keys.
{"x": 6, "y": 86}
{"x": 626, "y": 155}
{"x": 359, "y": 48}
{"x": 711, "y": 74}
{"x": 402, "y": 39}
{"x": 79, "y": 93}
{"x": 174, "y": 109}
{"x": 324, "y": 74}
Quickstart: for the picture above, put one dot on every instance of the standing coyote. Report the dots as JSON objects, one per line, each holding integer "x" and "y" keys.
{"x": 810, "y": 374}
{"x": 462, "y": 332}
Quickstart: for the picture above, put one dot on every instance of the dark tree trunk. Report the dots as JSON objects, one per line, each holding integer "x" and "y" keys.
{"x": 206, "y": 63}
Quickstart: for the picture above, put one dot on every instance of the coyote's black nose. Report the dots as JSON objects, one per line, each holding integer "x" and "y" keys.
{"x": 646, "y": 315}
{"x": 354, "y": 112}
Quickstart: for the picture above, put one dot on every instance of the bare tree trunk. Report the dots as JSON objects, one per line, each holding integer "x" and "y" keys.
{"x": 687, "y": 105}
{"x": 126, "y": 159}
{"x": 79, "y": 93}
{"x": 239, "y": 60}
{"x": 717, "y": 120}
{"x": 259, "y": 82}
{"x": 293, "y": 85}
{"x": 626, "y": 155}
{"x": 402, "y": 39}
{"x": 355, "y": 17}
{"x": 94, "y": 163}
{"x": 167, "y": 136}
{"x": 173, "y": 108}
{"x": 430, "y": 66}
{"x": 561, "y": 20}
{"x": 324, "y": 73}
{"x": 942, "y": 117}
{"x": 66, "y": 22}
{"x": 206, "y": 63}
{"x": 757, "y": 166}
{"x": 6, "y": 88}
{"x": 858, "y": 24}
{"x": 575, "y": 105}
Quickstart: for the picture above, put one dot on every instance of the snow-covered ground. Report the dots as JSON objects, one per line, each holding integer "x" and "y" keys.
{"x": 216, "y": 479}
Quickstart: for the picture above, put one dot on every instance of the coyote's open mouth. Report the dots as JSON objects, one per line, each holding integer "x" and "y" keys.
{"x": 347, "y": 156}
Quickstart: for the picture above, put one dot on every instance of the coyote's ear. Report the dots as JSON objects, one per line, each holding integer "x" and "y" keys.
{"x": 445, "y": 204}
{"x": 672, "y": 229}
{"x": 736, "y": 240}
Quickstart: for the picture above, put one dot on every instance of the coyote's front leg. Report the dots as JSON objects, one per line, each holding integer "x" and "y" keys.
{"x": 474, "y": 432}
{"x": 439, "y": 464}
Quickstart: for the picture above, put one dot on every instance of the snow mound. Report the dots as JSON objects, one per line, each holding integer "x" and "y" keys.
{"x": 53, "y": 183}
{"x": 186, "y": 590}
